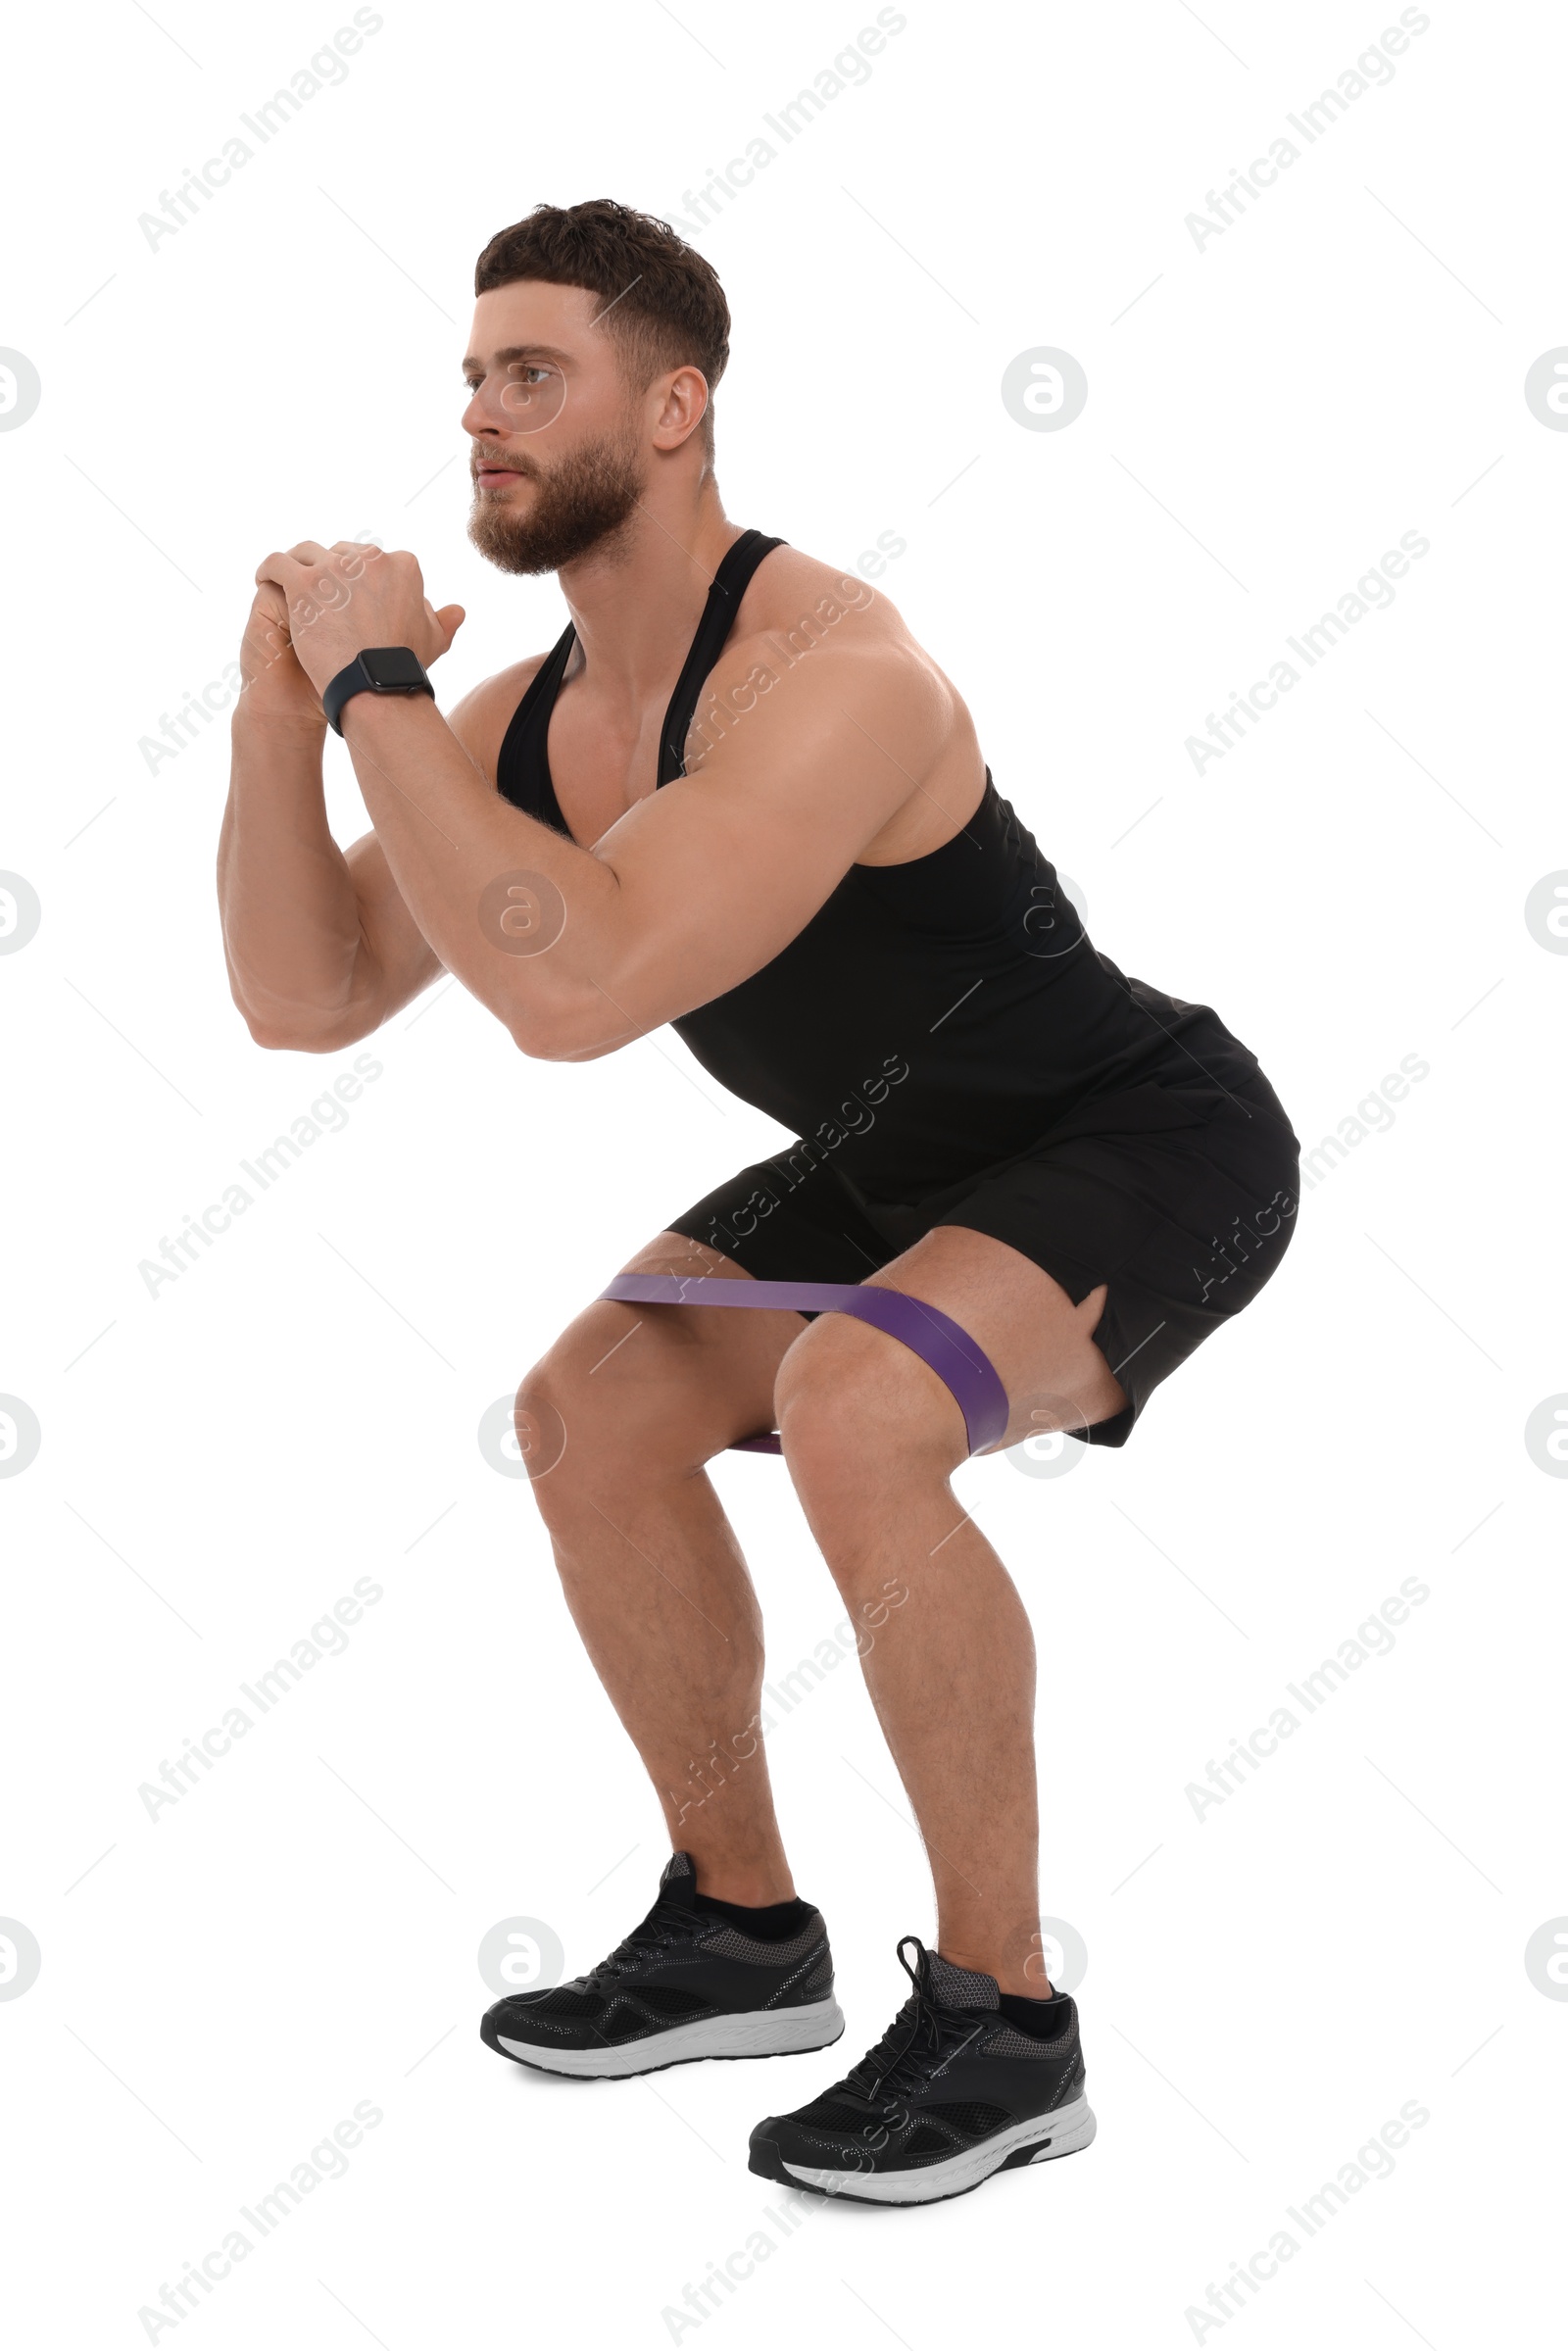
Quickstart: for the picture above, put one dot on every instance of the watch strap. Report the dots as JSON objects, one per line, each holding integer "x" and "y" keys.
{"x": 357, "y": 677}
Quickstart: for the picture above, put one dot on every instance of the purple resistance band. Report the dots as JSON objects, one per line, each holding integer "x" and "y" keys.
{"x": 925, "y": 1329}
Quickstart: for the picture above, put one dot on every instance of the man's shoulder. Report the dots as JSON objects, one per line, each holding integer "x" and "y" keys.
{"x": 792, "y": 592}
{"x": 831, "y": 658}
{"x": 835, "y": 635}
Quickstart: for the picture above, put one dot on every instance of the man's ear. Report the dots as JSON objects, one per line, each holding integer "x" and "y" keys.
{"x": 682, "y": 409}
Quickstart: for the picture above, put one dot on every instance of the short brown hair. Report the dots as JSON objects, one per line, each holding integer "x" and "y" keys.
{"x": 664, "y": 306}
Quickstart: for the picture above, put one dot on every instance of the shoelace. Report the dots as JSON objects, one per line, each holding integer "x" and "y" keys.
{"x": 918, "y": 2037}
{"x": 665, "y": 1925}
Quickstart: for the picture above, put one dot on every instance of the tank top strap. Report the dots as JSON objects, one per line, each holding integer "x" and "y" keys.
{"x": 522, "y": 766}
{"x": 730, "y": 583}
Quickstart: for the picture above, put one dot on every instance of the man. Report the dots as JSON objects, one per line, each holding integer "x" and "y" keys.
{"x": 738, "y": 797}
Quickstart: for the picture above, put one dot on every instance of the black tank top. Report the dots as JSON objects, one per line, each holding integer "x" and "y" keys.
{"x": 933, "y": 1018}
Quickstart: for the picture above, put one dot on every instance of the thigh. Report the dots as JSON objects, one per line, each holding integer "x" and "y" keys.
{"x": 1172, "y": 1231}
{"x": 649, "y": 1385}
{"x": 859, "y": 1411}
{"x": 1040, "y": 1343}
{"x": 692, "y": 1379}
{"x": 788, "y": 1218}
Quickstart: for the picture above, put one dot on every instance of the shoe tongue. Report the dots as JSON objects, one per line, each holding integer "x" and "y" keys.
{"x": 961, "y": 1986}
{"x": 678, "y": 1881}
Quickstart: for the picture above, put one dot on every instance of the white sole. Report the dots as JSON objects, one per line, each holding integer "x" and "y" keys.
{"x": 755, "y": 2032}
{"x": 1060, "y": 2133}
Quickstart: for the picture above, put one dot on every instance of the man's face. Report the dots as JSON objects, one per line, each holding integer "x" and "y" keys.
{"x": 558, "y": 460}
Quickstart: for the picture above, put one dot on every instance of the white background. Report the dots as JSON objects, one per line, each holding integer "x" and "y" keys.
{"x": 1266, "y": 414}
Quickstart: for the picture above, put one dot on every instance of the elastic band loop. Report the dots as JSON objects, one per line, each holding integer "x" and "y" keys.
{"x": 956, "y": 1358}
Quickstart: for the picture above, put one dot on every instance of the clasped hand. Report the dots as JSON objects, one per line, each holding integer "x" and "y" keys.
{"x": 347, "y": 597}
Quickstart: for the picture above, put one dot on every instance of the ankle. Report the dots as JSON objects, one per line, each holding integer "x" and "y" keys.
{"x": 752, "y": 1884}
{"x": 1021, "y": 1979}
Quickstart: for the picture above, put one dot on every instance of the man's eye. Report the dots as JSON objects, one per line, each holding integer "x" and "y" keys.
{"x": 518, "y": 373}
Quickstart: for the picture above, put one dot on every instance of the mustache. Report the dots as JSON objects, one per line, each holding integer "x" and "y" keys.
{"x": 494, "y": 465}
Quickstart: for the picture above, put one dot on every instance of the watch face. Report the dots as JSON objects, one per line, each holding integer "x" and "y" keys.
{"x": 393, "y": 665}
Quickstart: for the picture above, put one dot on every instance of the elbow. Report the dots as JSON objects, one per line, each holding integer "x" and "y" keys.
{"x": 281, "y": 1026}
{"x": 572, "y": 1031}
{"x": 276, "y": 1040}
{"x": 281, "y": 1040}
{"x": 288, "y": 1035}
{"x": 540, "y": 1041}
{"x": 274, "y": 1036}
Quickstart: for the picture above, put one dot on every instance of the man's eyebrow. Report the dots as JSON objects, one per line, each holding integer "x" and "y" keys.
{"x": 514, "y": 352}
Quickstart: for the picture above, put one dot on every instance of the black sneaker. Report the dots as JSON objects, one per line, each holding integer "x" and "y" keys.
{"x": 960, "y": 2085}
{"x": 690, "y": 1982}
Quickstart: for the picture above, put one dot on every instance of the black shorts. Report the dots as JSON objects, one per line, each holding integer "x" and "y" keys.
{"x": 1182, "y": 1200}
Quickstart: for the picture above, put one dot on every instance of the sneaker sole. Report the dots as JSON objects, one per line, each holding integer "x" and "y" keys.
{"x": 1038, "y": 2140}
{"x": 752, "y": 2033}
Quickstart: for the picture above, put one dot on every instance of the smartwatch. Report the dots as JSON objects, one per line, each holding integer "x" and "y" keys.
{"x": 379, "y": 669}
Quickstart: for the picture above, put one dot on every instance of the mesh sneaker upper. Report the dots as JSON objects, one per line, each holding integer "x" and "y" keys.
{"x": 679, "y": 1964}
{"x": 950, "y": 2070}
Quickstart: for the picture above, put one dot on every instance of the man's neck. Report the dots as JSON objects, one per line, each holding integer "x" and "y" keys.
{"x": 636, "y": 608}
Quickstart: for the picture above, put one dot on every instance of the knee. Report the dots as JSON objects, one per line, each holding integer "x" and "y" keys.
{"x": 604, "y": 1409}
{"x": 857, "y": 1412}
{"x": 577, "y": 1438}
{"x": 541, "y": 1413}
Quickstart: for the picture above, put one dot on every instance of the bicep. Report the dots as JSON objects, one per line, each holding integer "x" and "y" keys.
{"x": 720, "y": 869}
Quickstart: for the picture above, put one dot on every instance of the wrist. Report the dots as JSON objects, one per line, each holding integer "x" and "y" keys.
{"x": 380, "y": 717}
{"x": 395, "y": 672}
{"x": 250, "y": 717}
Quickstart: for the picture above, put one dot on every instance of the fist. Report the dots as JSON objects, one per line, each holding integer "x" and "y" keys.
{"x": 275, "y": 689}
{"x": 338, "y": 600}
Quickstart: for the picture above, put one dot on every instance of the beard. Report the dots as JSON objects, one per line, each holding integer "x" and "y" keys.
{"x": 583, "y": 502}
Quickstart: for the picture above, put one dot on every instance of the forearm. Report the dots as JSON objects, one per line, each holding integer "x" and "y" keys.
{"x": 290, "y": 917}
{"x": 544, "y": 959}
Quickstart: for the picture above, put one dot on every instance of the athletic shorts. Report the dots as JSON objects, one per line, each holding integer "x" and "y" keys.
{"x": 1182, "y": 1200}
